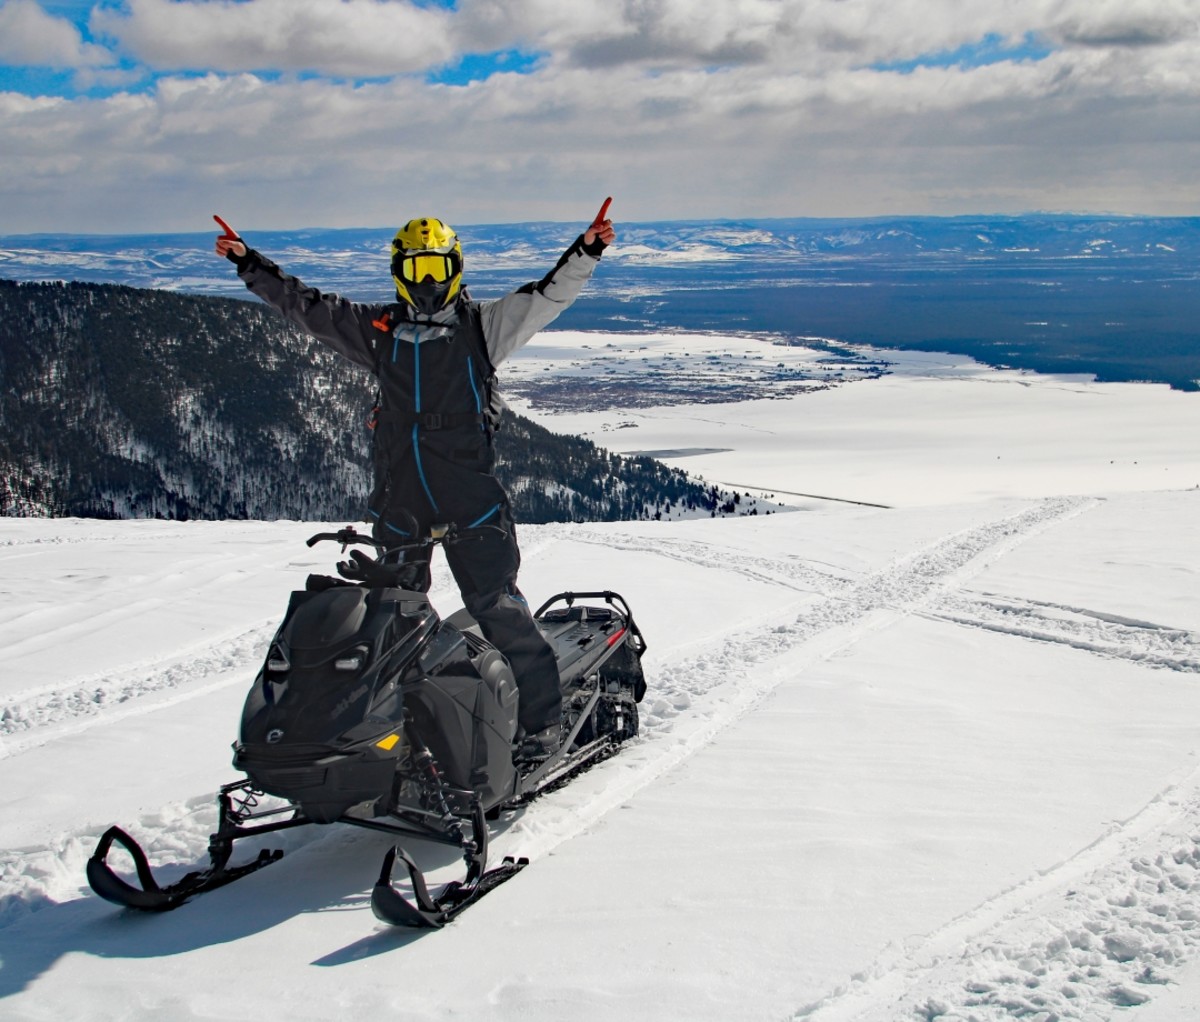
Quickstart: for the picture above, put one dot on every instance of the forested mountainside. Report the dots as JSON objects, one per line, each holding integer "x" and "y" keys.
{"x": 129, "y": 403}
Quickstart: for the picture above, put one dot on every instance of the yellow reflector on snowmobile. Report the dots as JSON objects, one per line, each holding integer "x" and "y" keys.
{"x": 389, "y": 743}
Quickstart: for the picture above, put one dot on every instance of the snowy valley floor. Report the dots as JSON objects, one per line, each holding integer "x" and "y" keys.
{"x": 935, "y": 761}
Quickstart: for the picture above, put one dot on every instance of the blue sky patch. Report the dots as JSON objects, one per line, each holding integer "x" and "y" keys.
{"x": 37, "y": 81}
{"x": 67, "y": 83}
{"x": 478, "y": 67}
{"x": 991, "y": 49}
{"x": 72, "y": 84}
{"x": 74, "y": 10}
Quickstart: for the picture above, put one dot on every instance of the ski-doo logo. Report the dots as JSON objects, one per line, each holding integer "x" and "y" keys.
{"x": 349, "y": 701}
{"x": 274, "y": 735}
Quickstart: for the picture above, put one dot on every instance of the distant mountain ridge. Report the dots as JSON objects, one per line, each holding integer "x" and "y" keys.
{"x": 1117, "y": 297}
{"x": 355, "y": 259}
{"x": 121, "y": 402}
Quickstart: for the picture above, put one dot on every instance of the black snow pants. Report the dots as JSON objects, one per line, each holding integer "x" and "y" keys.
{"x": 486, "y": 573}
{"x": 485, "y": 569}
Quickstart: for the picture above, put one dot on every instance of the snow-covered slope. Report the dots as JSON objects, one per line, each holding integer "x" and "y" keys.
{"x": 932, "y": 761}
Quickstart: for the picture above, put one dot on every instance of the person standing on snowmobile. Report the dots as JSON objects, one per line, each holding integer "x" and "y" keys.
{"x": 434, "y": 351}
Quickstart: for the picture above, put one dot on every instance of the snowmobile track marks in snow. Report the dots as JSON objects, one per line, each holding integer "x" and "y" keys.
{"x": 691, "y": 702}
{"x": 788, "y": 573}
{"x": 38, "y": 716}
{"x": 1090, "y": 631}
{"x": 1097, "y": 933}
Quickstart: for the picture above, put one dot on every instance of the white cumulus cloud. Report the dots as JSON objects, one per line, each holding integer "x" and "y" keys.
{"x": 766, "y": 107}
{"x": 808, "y": 34}
{"x": 350, "y": 38}
{"x": 29, "y": 37}
{"x": 1123, "y": 23}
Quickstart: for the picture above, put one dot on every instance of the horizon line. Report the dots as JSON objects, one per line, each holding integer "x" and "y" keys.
{"x": 870, "y": 218}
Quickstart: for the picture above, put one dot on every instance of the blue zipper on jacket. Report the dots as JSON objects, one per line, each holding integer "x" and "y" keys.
{"x": 417, "y": 370}
{"x": 416, "y": 428}
{"x": 479, "y": 521}
{"x": 474, "y": 388}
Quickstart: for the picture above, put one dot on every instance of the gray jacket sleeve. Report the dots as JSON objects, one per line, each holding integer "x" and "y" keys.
{"x": 509, "y": 322}
{"x": 344, "y": 325}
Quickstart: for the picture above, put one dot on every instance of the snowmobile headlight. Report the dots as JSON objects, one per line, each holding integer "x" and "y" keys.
{"x": 352, "y": 661}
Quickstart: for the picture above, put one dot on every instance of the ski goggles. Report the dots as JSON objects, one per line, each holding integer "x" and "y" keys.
{"x": 422, "y": 266}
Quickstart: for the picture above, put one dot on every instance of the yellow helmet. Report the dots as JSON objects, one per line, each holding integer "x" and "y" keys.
{"x": 427, "y": 264}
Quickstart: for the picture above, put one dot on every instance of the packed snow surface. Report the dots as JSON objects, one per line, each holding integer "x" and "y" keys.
{"x": 935, "y": 760}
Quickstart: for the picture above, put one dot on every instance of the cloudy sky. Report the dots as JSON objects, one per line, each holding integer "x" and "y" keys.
{"x": 149, "y": 115}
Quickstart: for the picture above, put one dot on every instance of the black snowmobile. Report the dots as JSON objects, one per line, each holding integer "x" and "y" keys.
{"x": 373, "y": 711}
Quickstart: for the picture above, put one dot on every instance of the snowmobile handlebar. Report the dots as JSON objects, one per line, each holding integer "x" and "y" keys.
{"x": 392, "y": 566}
{"x": 443, "y": 535}
{"x": 347, "y": 537}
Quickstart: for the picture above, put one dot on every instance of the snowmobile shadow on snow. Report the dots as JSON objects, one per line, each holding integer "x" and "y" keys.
{"x": 324, "y": 875}
{"x": 371, "y": 710}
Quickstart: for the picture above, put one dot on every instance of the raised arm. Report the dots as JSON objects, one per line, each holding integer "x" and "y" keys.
{"x": 342, "y": 324}
{"x": 509, "y": 322}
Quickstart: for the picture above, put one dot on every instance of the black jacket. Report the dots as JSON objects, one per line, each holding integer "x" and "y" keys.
{"x": 433, "y": 454}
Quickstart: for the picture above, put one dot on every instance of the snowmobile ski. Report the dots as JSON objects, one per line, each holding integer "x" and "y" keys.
{"x": 234, "y": 809}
